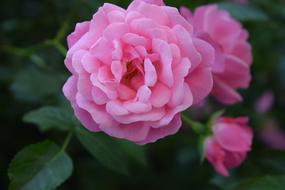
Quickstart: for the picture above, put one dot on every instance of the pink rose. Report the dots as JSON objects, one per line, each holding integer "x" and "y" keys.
{"x": 229, "y": 144}
{"x": 186, "y": 13}
{"x": 156, "y": 2}
{"x": 134, "y": 71}
{"x": 233, "y": 57}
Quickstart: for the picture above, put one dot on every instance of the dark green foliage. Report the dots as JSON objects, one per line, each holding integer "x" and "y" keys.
{"x": 39, "y": 167}
{"x": 244, "y": 13}
{"x": 49, "y": 117}
{"x": 104, "y": 149}
{"x": 263, "y": 183}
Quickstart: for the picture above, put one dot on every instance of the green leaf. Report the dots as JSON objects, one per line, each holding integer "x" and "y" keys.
{"x": 41, "y": 166}
{"x": 201, "y": 142}
{"x": 105, "y": 149}
{"x": 134, "y": 151}
{"x": 34, "y": 85}
{"x": 271, "y": 161}
{"x": 263, "y": 183}
{"x": 50, "y": 118}
{"x": 38, "y": 61}
{"x": 214, "y": 117}
{"x": 244, "y": 13}
{"x": 264, "y": 162}
{"x": 197, "y": 127}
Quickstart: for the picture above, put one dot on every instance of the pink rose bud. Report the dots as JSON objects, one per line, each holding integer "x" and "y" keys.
{"x": 134, "y": 70}
{"x": 233, "y": 57}
{"x": 229, "y": 144}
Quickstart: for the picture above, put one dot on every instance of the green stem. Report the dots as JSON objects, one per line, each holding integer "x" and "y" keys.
{"x": 55, "y": 44}
{"x": 62, "y": 31}
{"x": 26, "y": 53}
{"x": 199, "y": 128}
{"x": 67, "y": 140}
{"x": 60, "y": 48}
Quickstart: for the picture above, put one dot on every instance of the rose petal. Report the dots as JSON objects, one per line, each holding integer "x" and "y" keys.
{"x": 233, "y": 137}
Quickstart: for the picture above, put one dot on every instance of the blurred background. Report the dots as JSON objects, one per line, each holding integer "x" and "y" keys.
{"x": 32, "y": 72}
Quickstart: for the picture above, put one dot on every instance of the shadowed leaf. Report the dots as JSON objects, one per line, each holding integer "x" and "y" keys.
{"x": 41, "y": 166}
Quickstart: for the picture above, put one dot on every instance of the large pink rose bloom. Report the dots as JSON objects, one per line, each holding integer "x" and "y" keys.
{"x": 233, "y": 56}
{"x": 229, "y": 144}
{"x": 134, "y": 71}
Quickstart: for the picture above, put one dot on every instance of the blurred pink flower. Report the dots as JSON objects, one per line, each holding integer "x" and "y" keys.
{"x": 233, "y": 55}
{"x": 265, "y": 102}
{"x": 135, "y": 70}
{"x": 272, "y": 135}
{"x": 230, "y": 142}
